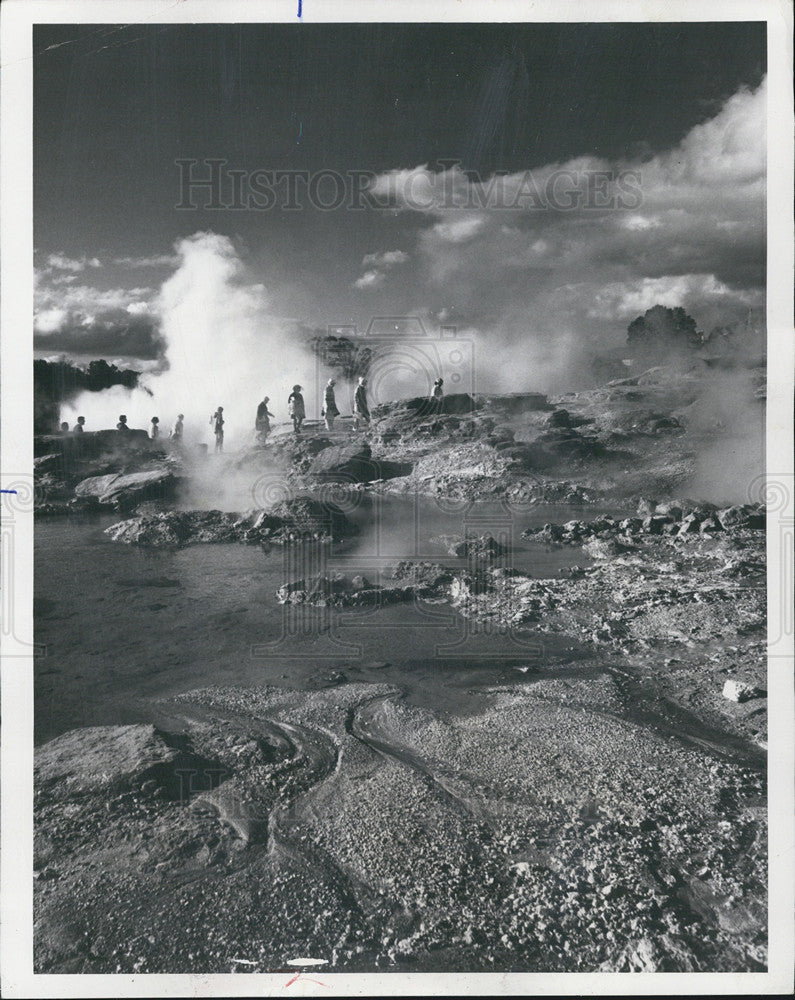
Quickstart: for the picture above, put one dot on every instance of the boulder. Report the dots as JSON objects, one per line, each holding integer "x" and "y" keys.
{"x": 350, "y": 462}
{"x": 90, "y": 444}
{"x": 606, "y": 548}
{"x": 514, "y": 403}
{"x": 176, "y": 528}
{"x": 559, "y": 418}
{"x": 671, "y": 509}
{"x": 654, "y": 524}
{"x": 739, "y": 691}
{"x": 457, "y": 402}
{"x": 342, "y": 591}
{"x": 306, "y": 516}
{"x": 483, "y": 546}
{"x": 127, "y": 491}
{"x": 689, "y": 525}
{"x": 110, "y": 760}
{"x": 295, "y": 519}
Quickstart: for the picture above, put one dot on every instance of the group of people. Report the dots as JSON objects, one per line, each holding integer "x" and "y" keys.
{"x": 78, "y": 428}
{"x": 262, "y": 424}
{"x": 175, "y": 434}
{"x": 296, "y": 409}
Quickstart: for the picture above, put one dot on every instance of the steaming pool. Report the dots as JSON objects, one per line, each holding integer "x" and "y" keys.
{"x": 123, "y": 628}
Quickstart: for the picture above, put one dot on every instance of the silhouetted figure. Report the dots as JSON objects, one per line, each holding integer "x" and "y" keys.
{"x": 78, "y": 427}
{"x": 330, "y": 410}
{"x": 217, "y": 420}
{"x": 176, "y": 430}
{"x": 154, "y": 429}
{"x": 361, "y": 412}
{"x": 262, "y": 424}
{"x": 122, "y": 424}
{"x": 296, "y": 409}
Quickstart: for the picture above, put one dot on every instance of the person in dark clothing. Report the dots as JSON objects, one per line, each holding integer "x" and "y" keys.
{"x": 361, "y": 412}
{"x": 296, "y": 408}
{"x": 262, "y": 424}
{"x": 217, "y": 420}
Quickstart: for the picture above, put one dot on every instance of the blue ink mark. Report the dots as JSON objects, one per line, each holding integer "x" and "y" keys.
{"x": 7, "y": 491}
{"x": 300, "y": 132}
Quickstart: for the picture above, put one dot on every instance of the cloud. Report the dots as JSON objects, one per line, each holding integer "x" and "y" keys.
{"x": 156, "y": 260}
{"x": 60, "y": 262}
{"x": 221, "y": 344}
{"x": 76, "y": 317}
{"x": 377, "y": 265}
{"x": 557, "y": 260}
{"x": 370, "y": 279}
{"x": 387, "y": 259}
{"x": 121, "y": 336}
{"x": 459, "y": 230}
{"x": 82, "y": 300}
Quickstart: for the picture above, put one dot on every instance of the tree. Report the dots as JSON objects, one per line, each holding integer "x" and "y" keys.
{"x": 343, "y": 355}
{"x": 665, "y": 328}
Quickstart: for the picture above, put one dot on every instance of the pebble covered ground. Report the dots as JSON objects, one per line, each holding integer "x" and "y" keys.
{"x": 603, "y": 814}
{"x": 546, "y": 832}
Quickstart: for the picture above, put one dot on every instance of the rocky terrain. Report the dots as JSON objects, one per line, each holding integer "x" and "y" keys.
{"x": 600, "y": 806}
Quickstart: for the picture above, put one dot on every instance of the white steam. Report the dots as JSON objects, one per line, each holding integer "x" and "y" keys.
{"x": 222, "y": 348}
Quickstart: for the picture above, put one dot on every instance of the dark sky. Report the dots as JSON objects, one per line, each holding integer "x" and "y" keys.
{"x": 115, "y": 106}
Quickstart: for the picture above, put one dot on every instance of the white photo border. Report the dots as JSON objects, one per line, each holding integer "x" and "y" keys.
{"x": 16, "y": 383}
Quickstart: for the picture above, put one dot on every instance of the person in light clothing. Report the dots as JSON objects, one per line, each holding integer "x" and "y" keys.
{"x": 330, "y": 410}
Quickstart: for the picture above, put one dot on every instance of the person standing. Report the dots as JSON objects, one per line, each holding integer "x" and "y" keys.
{"x": 217, "y": 420}
{"x": 296, "y": 409}
{"x": 262, "y": 424}
{"x": 361, "y": 412}
{"x": 176, "y": 430}
{"x": 154, "y": 429}
{"x": 330, "y": 410}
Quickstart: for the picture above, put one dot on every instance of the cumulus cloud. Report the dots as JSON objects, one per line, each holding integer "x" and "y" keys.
{"x": 377, "y": 265}
{"x": 156, "y": 260}
{"x": 568, "y": 253}
{"x": 370, "y": 279}
{"x": 73, "y": 316}
{"x": 60, "y": 262}
{"x": 387, "y": 259}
